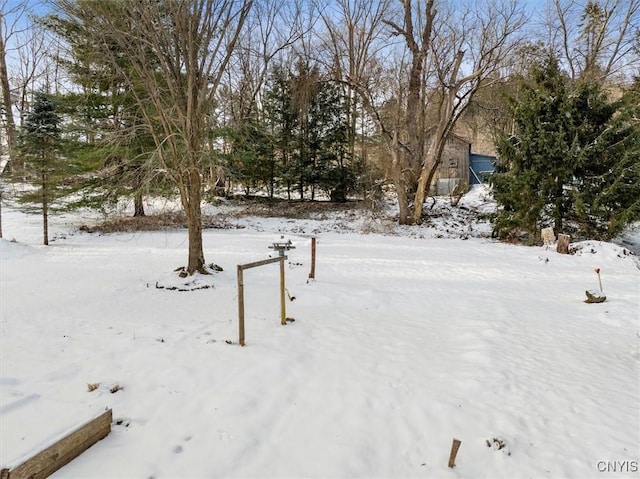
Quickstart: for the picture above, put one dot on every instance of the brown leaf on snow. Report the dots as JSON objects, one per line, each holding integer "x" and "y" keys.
{"x": 115, "y": 388}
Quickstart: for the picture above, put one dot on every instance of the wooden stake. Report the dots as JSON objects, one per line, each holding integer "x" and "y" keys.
{"x": 599, "y": 279}
{"x": 454, "y": 452}
{"x": 283, "y": 304}
{"x": 563, "y": 244}
{"x": 240, "y": 305}
{"x": 312, "y": 274}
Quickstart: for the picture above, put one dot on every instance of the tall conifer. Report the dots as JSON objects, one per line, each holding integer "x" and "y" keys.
{"x": 39, "y": 144}
{"x": 572, "y": 161}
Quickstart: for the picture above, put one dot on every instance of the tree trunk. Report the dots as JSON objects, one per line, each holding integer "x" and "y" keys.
{"x": 558, "y": 206}
{"x": 272, "y": 178}
{"x": 45, "y": 210}
{"x": 138, "y": 205}
{"x": 1, "y": 199}
{"x": 446, "y": 121}
{"x": 424, "y": 183}
{"x": 196, "y": 251}
{"x": 429, "y": 168}
{"x": 413, "y": 153}
{"x": 6, "y": 98}
{"x": 191, "y": 203}
{"x": 404, "y": 212}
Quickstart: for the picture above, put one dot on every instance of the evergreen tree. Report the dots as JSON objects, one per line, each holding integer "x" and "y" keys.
{"x": 106, "y": 131}
{"x": 569, "y": 161}
{"x": 251, "y": 159}
{"x": 608, "y": 193}
{"x": 332, "y": 172}
{"x": 535, "y": 164}
{"x": 282, "y": 122}
{"x": 322, "y": 153}
{"x": 304, "y": 88}
{"x": 39, "y": 143}
{"x": 299, "y": 141}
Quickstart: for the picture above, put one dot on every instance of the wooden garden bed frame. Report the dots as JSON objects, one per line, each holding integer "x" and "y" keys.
{"x": 47, "y": 461}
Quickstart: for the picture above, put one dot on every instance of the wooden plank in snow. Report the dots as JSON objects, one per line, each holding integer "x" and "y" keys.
{"x": 62, "y": 451}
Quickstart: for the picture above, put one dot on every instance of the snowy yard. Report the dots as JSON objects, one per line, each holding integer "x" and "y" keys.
{"x": 401, "y": 344}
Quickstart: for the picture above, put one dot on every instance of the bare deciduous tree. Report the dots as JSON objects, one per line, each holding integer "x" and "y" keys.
{"x": 468, "y": 50}
{"x": 595, "y": 38}
{"x": 272, "y": 27}
{"x": 32, "y": 70}
{"x": 10, "y": 14}
{"x": 7, "y": 30}
{"x": 354, "y": 38}
{"x": 448, "y": 53}
{"x": 177, "y": 53}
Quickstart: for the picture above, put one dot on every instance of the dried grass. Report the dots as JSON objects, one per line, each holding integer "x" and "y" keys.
{"x": 139, "y": 223}
{"x": 262, "y": 207}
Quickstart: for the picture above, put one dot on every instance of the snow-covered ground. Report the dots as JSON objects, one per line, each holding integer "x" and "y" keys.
{"x": 407, "y": 339}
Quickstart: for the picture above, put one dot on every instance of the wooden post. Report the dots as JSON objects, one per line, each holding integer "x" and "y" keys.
{"x": 63, "y": 451}
{"x": 547, "y": 236}
{"x": 454, "y": 452}
{"x": 240, "y": 306}
{"x": 312, "y": 274}
{"x": 241, "y": 268}
{"x": 563, "y": 244}
{"x": 283, "y": 304}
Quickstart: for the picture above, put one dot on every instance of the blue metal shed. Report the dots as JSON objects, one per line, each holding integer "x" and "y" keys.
{"x": 480, "y": 166}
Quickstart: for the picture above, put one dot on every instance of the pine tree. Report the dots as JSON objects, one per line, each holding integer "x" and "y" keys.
{"x": 572, "y": 161}
{"x": 250, "y": 160}
{"x": 535, "y": 161}
{"x": 304, "y": 88}
{"x": 282, "y": 123}
{"x": 106, "y": 131}
{"x": 39, "y": 143}
{"x": 333, "y": 172}
{"x": 321, "y": 156}
{"x": 608, "y": 194}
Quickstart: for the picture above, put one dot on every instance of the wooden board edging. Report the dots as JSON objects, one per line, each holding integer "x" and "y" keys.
{"x": 62, "y": 451}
